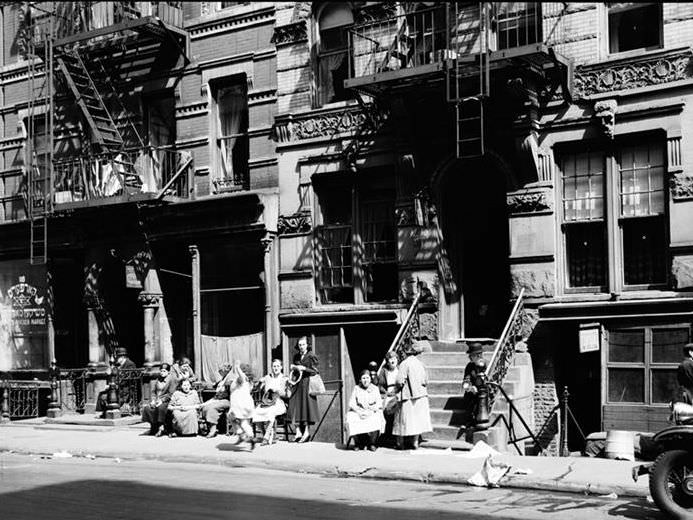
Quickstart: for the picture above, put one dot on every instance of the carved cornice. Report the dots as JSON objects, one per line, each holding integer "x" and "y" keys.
{"x": 681, "y": 187}
{"x": 643, "y": 71}
{"x": 295, "y": 32}
{"x": 376, "y": 11}
{"x": 224, "y": 22}
{"x": 298, "y": 223}
{"x": 322, "y": 124}
{"x": 149, "y": 299}
{"x": 529, "y": 202}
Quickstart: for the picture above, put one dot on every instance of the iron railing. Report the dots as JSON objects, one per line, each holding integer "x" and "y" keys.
{"x": 445, "y": 31}
{"x": 129, "y": 382}
{"x": 405, "y": 334}
{"x": 19, "y": 399}
{"x": 158, "y": 170}
{"x": 503, "y": 354}
{"x": 72, "y": 389}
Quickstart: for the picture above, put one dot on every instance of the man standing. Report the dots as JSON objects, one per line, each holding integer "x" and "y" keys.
{"x": 685, "y": 374}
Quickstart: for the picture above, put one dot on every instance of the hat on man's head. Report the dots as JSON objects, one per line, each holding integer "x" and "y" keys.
{"x": 372, "y": 365}
{"x": 121, "y": 351}
{"x": 475, "y": 348}
{"x": 687, "y": 347}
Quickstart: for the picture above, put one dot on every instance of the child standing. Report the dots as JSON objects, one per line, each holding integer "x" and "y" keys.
{"x": 242, "y": 405}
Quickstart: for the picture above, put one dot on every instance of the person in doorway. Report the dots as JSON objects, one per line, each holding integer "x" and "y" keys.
{"x": 182, "y": 369}
{"x": 365, "y": 419}
{"x": 213, "y": 409}
{"x": 183, "y": 406}
{"x": 373, "y": 369}
{"x": 155, "y": 412}
{"x": 413, "y": 416}
{"x": 274, "y": 389}
{"x": 684, "y": 374}
{"x": 387, "y": 378}
{"x": 303, "y": 407}
{"x": 241, "y": 404}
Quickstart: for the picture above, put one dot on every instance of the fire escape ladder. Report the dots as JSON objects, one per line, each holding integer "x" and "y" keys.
{"x": 97, "y": 116}
{"x": 468, "y": 95}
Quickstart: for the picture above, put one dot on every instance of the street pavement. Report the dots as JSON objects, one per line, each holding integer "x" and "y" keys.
{"x": 44, "y": 487}
{"x": 577, "y": 475}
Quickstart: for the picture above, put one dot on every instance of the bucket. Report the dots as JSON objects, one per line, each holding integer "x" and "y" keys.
{"x": 619, "y": 445}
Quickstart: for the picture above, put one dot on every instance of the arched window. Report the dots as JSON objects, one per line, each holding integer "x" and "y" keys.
{"x": 334, "y": 21}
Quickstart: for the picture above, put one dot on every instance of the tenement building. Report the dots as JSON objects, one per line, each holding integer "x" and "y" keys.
{"x": 217, "y": 179}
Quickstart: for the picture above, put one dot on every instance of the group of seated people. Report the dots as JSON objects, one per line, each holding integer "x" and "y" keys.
{"x": 175, "y": 407}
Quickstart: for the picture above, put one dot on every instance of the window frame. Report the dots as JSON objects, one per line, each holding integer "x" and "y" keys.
{"x": 320, "y": 54}
{"x": 606, "y": 45}
{"x": 616, "y": 262}
{"x": 648, "y": 365}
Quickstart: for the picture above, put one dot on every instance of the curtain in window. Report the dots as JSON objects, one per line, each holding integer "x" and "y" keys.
{"x": 231, "y": 103}
{"x": 330, "y": 70}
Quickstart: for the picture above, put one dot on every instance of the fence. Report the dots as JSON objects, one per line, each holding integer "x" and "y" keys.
{"x": 18, "y": 400}
{"x": 72, "y": 389}
{"x": 130, "y": 383}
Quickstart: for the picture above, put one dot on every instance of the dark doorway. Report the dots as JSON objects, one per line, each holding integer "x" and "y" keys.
{"x": 69, "y": 313}
{"x": 475, "y": 227}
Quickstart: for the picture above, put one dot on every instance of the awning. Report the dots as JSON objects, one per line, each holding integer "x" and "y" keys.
{"x": 342, "y": 317}
{"x": 619, "y": 309}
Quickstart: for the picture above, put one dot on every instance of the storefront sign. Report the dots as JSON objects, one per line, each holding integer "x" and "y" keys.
{"x": 590, "y": 337}
{"x": 132, "y": 281}
{"x": 23, "y": 315}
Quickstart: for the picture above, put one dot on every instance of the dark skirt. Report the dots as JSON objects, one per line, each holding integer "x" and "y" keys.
{"x": 303, "y": 408}
{"x": 155, "y": 415}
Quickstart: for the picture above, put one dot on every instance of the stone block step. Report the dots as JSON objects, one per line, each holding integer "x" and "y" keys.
{"x": 446, "y": 387}
{"x": 450, "y": 433}
{"x": 446, "y": 401}
{"x": 445, "y": 373}
{"x": 443, "y": 359}
{"x": 450, "y": 417}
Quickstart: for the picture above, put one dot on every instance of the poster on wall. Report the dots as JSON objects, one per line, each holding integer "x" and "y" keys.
{"x": 590, "y": 337}
{"x": 23, "y": 316}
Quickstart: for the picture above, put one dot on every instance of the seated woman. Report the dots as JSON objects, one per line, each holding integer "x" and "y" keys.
{"x": 155, "y": 411}
{"x": 274, "y": 391}
{"x": 219, "y": 404}
{"x": 182, "y": 369}
{"x": 365, "y": 416}
{"x": 184, "y": 405}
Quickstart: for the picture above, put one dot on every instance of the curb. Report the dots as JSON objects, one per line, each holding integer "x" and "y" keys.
{"x": 512, "y": 481}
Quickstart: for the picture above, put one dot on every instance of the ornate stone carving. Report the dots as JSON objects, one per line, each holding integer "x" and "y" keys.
{"x": 293, "y": 224}
{"x": 681, "y": 187}
{"x": 291, "y": 33}
{"x": 605, "y": 112}
{"x": 376, "y": 11}
{"x": 405, "y": 215}
{"x": 324, "y": 124}
{"x": 634, "y": 73}
{"x": 529, "y": 202}
{"x": 149, "y": 299}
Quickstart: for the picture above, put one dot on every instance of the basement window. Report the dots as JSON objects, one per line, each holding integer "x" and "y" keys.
{"x": 634, "y": 26}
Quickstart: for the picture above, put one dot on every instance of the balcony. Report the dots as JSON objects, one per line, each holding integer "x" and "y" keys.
{"x": 145, "y": 173}
{"x": 419, "y": 46}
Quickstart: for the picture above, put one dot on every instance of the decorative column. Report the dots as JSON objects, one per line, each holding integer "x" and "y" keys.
{"x": 97, "y": 373}
{"x": 197, "y": 328}
{"x": 150, "y": 303}
{"x": 269, "y": 296}
{"x": 54, "y": 409}
{"x": 113, "y": 405}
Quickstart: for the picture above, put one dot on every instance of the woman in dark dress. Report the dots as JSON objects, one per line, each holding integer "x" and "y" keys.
{"x": 303, "y": 407}
{"x": 155, "y": 411}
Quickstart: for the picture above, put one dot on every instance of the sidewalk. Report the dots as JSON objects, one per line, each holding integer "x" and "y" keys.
{"x": 575, "y": 475}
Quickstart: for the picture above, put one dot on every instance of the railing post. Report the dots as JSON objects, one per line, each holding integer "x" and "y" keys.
{"x": 5, "y": 405}
{"x": 564, "y": 419}
{"x": 113, "y": 406}
{"x": 483, "y": 416}
{"x": 54, "y": 403}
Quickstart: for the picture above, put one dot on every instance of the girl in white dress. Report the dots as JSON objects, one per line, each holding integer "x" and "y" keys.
{"x": 242, "y": 405}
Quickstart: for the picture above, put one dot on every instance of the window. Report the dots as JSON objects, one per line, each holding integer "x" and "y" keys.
{"x": 356, "y": 257}
{"x": 333, "y": 52}
{"x": 634, "y": 26}
{"x": 160, "y": 125}
{"x": 642, "y": 362}
{"x": 626, "y": 237}
{"x": 518, "y": 23}
{"x": 232, "y": 147}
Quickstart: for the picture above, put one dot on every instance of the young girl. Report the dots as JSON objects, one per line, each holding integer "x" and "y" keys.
{"x": 274, "y": 390}
{"x": 242, "y": 405}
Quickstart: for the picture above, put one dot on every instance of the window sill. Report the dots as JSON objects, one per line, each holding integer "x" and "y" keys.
{"x": 634, "y": 53}
{"x": 338, "y": 104}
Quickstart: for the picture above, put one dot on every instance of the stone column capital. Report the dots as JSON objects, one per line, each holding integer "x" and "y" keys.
{"x": 149, "y": 299}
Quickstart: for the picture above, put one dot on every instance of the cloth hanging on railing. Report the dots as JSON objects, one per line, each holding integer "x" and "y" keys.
{"x": 217, "y": 350}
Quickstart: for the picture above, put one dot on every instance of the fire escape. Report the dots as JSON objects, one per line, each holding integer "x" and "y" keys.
{"x": 85, "y": 145}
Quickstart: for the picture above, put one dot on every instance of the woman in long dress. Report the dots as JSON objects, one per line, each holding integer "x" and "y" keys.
{"x": 303, "y": 407}
{"x": 156, "y": 410}
{"x": 184, "y": 405}
{"x": 413, "y": 416}
{"x": 274, "y": 391}
{"x": 365, "y": 419}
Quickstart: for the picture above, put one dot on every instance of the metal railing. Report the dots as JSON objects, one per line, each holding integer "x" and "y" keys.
{"x": 129, "y": 382}
{"x": 503, "y": 354}
{"x": 404, "y": 41}
{"x": 405, "y": 333}
{"x": 72, "y": 389}
{"x": 157, "y": 170}
{"x": 18, "y": 400}
{"x": 509, "y": 422}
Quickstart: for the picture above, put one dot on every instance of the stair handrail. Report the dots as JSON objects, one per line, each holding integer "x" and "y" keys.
{"x": 505, "y": 348}
{"x": 401, "y": 333}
